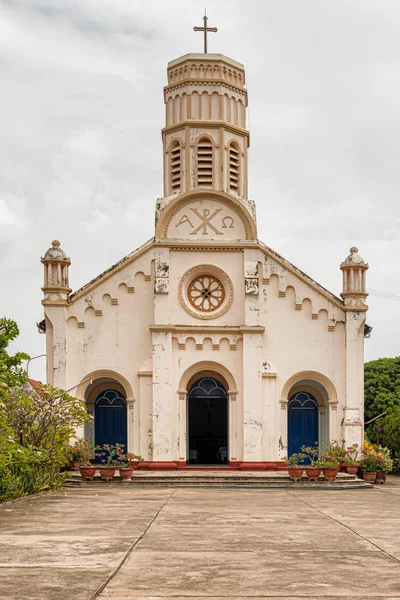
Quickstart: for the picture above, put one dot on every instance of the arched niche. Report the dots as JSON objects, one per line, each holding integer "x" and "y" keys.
{"x": 206, "y": 215}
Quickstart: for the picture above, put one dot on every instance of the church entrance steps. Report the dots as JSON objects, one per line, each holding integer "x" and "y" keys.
{"x": 222, "y": 479}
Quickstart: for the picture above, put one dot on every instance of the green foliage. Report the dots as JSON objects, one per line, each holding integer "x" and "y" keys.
{"x": 82, "y": 451}
{"x": 312, "y": 453}
{"x": 382, "y": 393}
{"x": 25, "y": 471}
{"x": 295, "y": 459}
{"x": 11, "y": 372}
{"x": 389, "y": 429}
{"x": 35, "y": 426}
{"x": 335, "y": 453}
{"x": 381, "y": 386}
{"x": 44, "y": 418}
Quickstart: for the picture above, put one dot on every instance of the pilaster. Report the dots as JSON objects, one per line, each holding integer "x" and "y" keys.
{"x": 163, "y": 417}
{"x": 252, "y": 397}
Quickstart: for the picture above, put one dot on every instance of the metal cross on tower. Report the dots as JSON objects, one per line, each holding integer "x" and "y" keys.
{"x": 205, "y": 29}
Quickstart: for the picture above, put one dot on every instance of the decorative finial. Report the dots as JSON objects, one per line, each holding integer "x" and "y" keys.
{"x": 205, "y": 29}
{"x": 55, "y": 244}
{"x": 353, "y": 250}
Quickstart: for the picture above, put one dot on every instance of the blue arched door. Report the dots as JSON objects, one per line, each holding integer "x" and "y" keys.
{"x": 208, "y": 422}
{"x": 302, "y": 422}
{"x": 110, "y": 422}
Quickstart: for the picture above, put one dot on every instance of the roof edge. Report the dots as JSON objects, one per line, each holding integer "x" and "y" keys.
{"x": 111, "y": 270}
{"x": 306, "y": 278}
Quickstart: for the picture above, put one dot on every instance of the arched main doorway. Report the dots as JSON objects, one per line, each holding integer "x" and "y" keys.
{"x": 207, "y": 422}
{"x": 110, "y": 418}
{"x": 302, "y": 421}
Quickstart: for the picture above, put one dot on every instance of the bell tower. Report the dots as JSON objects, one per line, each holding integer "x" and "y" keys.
{"x": 205, "y": 139}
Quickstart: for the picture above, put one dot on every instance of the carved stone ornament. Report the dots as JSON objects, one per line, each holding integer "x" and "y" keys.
{"x": 161, "y": 277}
{"x": 206, "y": 292}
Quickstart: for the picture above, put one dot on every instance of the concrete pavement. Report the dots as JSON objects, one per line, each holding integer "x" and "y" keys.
{"x": 150, "y": 544}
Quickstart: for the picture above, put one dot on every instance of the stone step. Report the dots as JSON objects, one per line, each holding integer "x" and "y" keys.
{"x": 217, "y": 480}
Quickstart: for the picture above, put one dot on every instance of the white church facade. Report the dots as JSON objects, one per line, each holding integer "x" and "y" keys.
{"x": 204, "y": 346}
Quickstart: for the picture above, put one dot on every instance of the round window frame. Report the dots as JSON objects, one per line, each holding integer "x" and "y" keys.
{"x": 202, "y": 270}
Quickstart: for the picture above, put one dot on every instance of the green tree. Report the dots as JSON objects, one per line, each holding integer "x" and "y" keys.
{"x": 11, "y": 371}
{"x": 44, "y": 418}
{"x": 390, "y": 430}
{"x": 381, "y": 385}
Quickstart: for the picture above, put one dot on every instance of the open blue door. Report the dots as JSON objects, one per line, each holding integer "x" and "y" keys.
{"x": 302, "y": 422}
{"x": 110, "y": 422}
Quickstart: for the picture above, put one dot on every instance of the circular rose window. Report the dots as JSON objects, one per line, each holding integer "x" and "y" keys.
{"x": 206, "y": 293}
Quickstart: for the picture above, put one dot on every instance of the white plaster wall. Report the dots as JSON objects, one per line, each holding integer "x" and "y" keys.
{"x": 119, "y": 339}
{"x": 230, "y": 262}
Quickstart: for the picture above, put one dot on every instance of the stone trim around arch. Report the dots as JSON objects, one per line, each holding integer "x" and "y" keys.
{"x": 313, "y": 376}
{"x": 98, "y": 374}
{"x": 170, "y": 210}
{"x": 201, "y": 367}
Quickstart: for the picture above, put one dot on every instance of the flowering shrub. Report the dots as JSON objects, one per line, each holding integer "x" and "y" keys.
{"x": 115, "y": 455}
{"x": 82, "y": 451}
{"x": 352, "y": 453}
{"x": 328, "y": 462}
{"x": 35, "y": 426}
{"x": 45, "y": 417}
{"x": 370, "y": 461}
{"x": 109, "y": 454}
{"x": 336, "y": 451}
{"x": 25, "y": 471}
{"x": 311, "y": 453}
{"x": 295, "y": 459}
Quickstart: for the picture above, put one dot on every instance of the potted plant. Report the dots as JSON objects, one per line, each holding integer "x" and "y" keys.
{"x": 74, "y": 457}
{"x": 126, "y": 461}
{"x": 385, "y": 465}
{"x": 108, "y": 455}
{"x": 370, "y": 464}
{"x": 313, "y": 471}
{"x": 86, "y": 469}
{"x": 293, "y": 465}
{"x": 337, "y": 452}
{"x": 351, "y": 462}
{"x": 330, "y": 466}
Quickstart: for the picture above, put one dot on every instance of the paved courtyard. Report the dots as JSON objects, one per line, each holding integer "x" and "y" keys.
{"x": 141, "y": 544}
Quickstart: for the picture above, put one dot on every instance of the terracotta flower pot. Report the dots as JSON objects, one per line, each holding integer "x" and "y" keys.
{"x": 126, "y": 473}
{"x": 107, "y": 473}
{"x": 369, "y": 477}
{"x": 380, "y": 477}
{"x": 134, "y": 464}
{"x": 330, "y": 473}
{"x": 87, "y": 472}
{"x": 74, "y": 465}
{"x": 352, "y": 469}
{"x": 313, "y": 473}
{"x": 295, "y": 473}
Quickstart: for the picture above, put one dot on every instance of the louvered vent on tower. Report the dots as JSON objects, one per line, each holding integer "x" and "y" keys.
{"x": 205, "y": 164}
{"x": 175, "y": 157}
{"x": 234, "y": 168}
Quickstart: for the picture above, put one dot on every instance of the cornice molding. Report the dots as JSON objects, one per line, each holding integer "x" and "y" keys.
{"x": 167, "y": 328}
{"x": 205, "y": 82}
{"x": 207, "y": 124}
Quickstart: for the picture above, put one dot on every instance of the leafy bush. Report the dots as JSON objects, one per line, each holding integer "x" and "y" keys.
{"x": 24, "y": 471}
{"x": 44, "y": 418}
{"x": 35, "y": 426}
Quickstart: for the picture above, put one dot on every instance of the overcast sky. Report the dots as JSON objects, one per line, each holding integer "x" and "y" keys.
{"x": 82, "y": 109}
